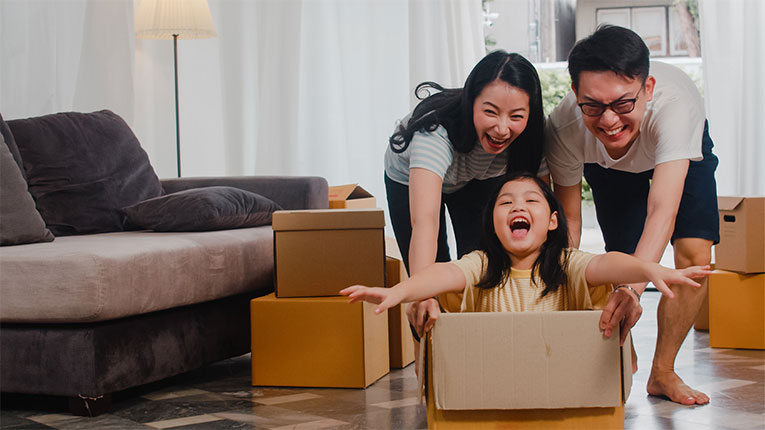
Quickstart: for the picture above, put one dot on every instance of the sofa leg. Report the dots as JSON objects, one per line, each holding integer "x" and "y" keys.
{"x": 89, "y": 406}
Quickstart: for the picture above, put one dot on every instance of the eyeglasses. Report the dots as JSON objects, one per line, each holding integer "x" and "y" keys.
{"x": 621, "y": 106}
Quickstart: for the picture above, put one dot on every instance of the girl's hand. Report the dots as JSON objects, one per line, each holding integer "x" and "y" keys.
{"x": 662, "y": 277}
{"x": 386, "y": 298}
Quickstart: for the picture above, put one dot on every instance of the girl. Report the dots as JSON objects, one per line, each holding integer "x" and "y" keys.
{"x": 524, "y": 263}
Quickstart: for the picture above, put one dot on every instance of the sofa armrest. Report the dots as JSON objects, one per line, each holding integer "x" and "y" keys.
{"x": 290, "y": 192}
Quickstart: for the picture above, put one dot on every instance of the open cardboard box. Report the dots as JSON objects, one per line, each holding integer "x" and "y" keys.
{"x": 350, "y": 196}
{"x": 525, "y": 370}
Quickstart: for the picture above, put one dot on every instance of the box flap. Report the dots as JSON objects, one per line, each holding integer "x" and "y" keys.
{"x": 626, "y": 367}
{"x": 348, "y": 192}
{"x": 526, "y": 360}
{"x": 725, "y": 203}
{"x": 328, "y": 219}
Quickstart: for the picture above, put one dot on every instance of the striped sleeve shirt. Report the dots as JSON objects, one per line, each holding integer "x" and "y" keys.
{"x": 434, "y": 151}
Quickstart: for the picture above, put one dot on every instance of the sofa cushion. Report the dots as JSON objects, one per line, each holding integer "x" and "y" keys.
{"x": 19, "y": 220}
{"x": 82, "y": 169}
{"x": 99, "y": 277}
{"x": 202, "y": 209}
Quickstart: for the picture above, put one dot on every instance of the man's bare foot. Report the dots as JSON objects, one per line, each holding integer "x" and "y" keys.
{"x": 668, "y": 384}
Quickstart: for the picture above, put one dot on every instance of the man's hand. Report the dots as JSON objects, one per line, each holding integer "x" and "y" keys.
{"x": 623, "y": 309}
{"x": 423, "y": 315}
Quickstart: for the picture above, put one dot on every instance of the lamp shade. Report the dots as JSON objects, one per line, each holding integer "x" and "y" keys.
{"x": 161, "y": 19}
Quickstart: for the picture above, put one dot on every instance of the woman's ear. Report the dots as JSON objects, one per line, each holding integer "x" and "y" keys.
{"x": 553, "y": 221}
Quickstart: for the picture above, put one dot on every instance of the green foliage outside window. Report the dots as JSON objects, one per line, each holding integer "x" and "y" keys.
{"x": 556, "y": 83}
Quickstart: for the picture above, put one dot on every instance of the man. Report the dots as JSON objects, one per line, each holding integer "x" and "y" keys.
{"x": 641, "y": 142}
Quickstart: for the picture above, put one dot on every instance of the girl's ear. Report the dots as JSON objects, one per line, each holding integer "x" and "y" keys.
{"x": 553, "y": 221}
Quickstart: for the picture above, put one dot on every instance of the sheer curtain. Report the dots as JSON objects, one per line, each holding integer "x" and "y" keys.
{"x": 733, "y": 49}
{"x": 289, "y": 87}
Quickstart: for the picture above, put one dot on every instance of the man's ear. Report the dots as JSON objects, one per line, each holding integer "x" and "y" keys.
{"x": 553, "y": 221}
{"x": 573, "y": 88}
{"x": 650, "y": 83}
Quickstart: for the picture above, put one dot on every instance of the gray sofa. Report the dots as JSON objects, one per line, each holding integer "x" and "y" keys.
{"x": 90, "y": 314}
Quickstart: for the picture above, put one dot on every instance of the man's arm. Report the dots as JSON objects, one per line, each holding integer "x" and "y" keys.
{"x": 663, "y": 203}
{"x": 571, "y": 199}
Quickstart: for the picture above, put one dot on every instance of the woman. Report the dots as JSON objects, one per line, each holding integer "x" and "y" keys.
{"x": 451, "y": 153}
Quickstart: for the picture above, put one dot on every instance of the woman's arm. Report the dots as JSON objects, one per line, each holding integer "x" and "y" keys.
{"x": 433, "y": 280}
{"x": 424, "y": 211}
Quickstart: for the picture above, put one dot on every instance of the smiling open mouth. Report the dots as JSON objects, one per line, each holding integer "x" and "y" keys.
{"x": 614, "y": 132}
{"x": 519, "y": 227}
{"x": 495, "y": 142}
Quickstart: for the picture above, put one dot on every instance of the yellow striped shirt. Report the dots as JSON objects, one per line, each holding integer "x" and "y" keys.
{"x": 519, "y": 294}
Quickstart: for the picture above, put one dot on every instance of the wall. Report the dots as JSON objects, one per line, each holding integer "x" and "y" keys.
{"x": 585, "y": 11}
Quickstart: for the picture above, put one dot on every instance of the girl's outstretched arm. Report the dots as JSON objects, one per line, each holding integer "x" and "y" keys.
{"x": 620, "y": 268}
{"x": 623, "y": 308}
{"x": 429, "y": 282}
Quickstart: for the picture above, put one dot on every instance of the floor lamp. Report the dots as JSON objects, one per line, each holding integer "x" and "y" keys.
{"x": 174, "y": 19}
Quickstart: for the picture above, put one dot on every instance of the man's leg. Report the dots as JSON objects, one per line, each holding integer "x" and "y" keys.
{"x": 621, "y": 206}
{"x": 696, "y": 230}
{"x": 675, "y": 318}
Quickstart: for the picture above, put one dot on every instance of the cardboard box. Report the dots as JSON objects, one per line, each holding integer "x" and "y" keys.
{"x": 401, "y": 343}
{"x": 317, "y": 342}
{"x": 736, "y": 310}
{"x": 742, "y": 234}
{"x": 525, "y": 370}
{"x": 350, "y": 196}
{"x": 320, "y": 252}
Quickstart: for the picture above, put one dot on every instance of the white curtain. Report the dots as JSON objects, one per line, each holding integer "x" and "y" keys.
{"x": 288, "y": 87}
{"x": 733, "y": 49}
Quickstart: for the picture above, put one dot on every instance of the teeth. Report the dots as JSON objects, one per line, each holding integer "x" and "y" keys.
{"x": 613, "y": 132}
{"x": 495, "y": 141}
{"x": 519, "y": 222}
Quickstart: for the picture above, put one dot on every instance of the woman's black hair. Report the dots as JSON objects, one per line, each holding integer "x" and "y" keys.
{"x": 613, "y": 48}
{"x": 553, "y": 256}
{"x": 453, "y": 108}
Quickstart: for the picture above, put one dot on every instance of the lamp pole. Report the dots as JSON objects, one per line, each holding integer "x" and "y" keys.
{"x": 177, "y": 124}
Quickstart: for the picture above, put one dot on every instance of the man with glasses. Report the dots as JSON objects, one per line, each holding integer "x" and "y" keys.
{"x": 641, "y": 142}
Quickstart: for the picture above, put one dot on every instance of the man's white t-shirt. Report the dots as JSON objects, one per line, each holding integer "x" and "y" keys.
{"x": 671, "y": 130}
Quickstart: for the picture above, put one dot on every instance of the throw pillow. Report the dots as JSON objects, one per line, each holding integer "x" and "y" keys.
{"x": 203, "y": 209}
{"x": 82, "y": 168}
{"x": 19, "y": 220}
{"x": 11, "y": 142}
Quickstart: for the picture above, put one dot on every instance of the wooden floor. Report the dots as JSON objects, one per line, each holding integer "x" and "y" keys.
{"x": 220, "y": 397}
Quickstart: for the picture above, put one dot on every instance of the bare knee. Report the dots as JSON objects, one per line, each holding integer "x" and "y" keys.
{"x": 692, "y": 252}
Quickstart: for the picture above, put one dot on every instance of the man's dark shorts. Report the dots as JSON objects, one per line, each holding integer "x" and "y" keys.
{"x": 621, "y": 200}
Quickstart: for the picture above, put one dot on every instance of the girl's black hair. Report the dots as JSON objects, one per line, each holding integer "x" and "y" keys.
{"x": 553, "y": 257}
{"x": 453, "y": 108}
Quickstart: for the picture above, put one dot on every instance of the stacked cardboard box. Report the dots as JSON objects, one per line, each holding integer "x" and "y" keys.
{"x": 401, "y": 343}
{"x": 525, "y": 370}
{"x": 305, "y": 334}
{"x": 737, "y": 286}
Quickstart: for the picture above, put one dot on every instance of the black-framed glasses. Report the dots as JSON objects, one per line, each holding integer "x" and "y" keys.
{"x": 621, "y": 106}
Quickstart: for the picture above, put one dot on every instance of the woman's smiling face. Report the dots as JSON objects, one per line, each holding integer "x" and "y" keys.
{"x": 500, "y": 114}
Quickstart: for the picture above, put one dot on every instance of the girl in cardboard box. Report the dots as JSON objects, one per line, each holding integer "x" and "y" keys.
{"x": 524, "y": 264}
